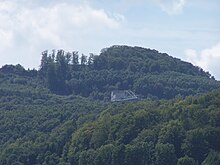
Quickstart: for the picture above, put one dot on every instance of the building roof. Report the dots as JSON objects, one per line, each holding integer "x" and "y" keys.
{"x": 123, "y": 95}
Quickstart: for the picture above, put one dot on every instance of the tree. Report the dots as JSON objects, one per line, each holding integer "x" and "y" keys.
{"x": 91, "y": 59}
{"x": 196, "y": 145}
{"x": 44, "y": 63}
{"x": 52, "y": 77}
{"x": 87, "y": 157}
{"x": 68, "y": 57}
{"x": 186, "y": 161}
{"x": 140, "y": 153}
{"x": 172, "y": 133}
{"x": 75, "y": 60}
{"x": 165, "y": 154}
{"x": 83, "y": 60}
{"x": 213, "y": 158}
{"x": 104, "y": 155}
{"x": 44, "y": 59}
{"x": 62, "y": 69}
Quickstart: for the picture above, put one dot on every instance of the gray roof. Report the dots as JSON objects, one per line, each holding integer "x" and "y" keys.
{"x": 123, "y": 95}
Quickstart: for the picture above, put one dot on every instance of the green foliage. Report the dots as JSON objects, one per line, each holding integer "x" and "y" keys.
{"x": 151, "y": 133}
{"x": 149, "y": 73}
{"x": 165, "y": 154}
{"x": 37, "y": 126}
{"x": 196, "y": 144}
{"x": 186, "y": 161}
{"x": 172, "y": 133}
{"x": 42, "y": 128}
{"x": 212, "y": 158}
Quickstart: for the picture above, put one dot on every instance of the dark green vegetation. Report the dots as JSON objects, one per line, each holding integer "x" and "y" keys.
{"x": 161, "y": 132}
{"x": 148, "y": 73}
{"x": 45, "y": 120}
{"x": 48, "y": 129}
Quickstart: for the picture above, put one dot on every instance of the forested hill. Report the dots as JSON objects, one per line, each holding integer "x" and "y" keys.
{"x": 56, "y": 115}
{"x": 38, "y": 128}
{"x": 150, "y": 74}
{"x": 137, "y": 59}
{"x": 182, "y": 132}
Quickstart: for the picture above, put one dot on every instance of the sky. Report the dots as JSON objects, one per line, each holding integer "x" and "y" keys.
{"x": 186, "y": 29}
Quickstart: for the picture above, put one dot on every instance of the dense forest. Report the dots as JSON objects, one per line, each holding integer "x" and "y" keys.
{"x": 45, "y": 129}
{"x": 150, "y": 74}
{"x": 62, "y": 114}
{"x": 147, "y": 72}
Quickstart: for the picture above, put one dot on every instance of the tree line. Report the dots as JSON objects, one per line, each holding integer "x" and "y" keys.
{"x": 147, "y": 72}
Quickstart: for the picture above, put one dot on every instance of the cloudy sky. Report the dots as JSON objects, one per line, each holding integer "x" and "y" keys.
{"x": 187, "y": 29}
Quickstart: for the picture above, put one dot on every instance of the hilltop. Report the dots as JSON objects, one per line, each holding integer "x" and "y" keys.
{"x": 149, "y": 73}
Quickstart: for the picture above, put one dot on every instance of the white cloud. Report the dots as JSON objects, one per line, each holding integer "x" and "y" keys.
{"x": 171, "y": 6}
{"x": 26, "y": 28}
{"x": 208, "y": 59}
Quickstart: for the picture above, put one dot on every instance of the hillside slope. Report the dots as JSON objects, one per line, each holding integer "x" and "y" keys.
{"x": 56, "y": 115}
{"x": 164, "y": 132}
{"x": 147, "y": 72}
{"x": 72, "y": 130}
{"x": 150, "y": 74}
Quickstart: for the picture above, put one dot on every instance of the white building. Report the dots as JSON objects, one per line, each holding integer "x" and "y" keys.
{"x": 123, "y": 95}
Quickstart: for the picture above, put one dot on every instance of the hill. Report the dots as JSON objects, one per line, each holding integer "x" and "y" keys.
{"x": 150, "y": 74}
{"x": 49, "y": 129}
{"x": 61, "y": 113}
{"x": 165, "y": 132}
